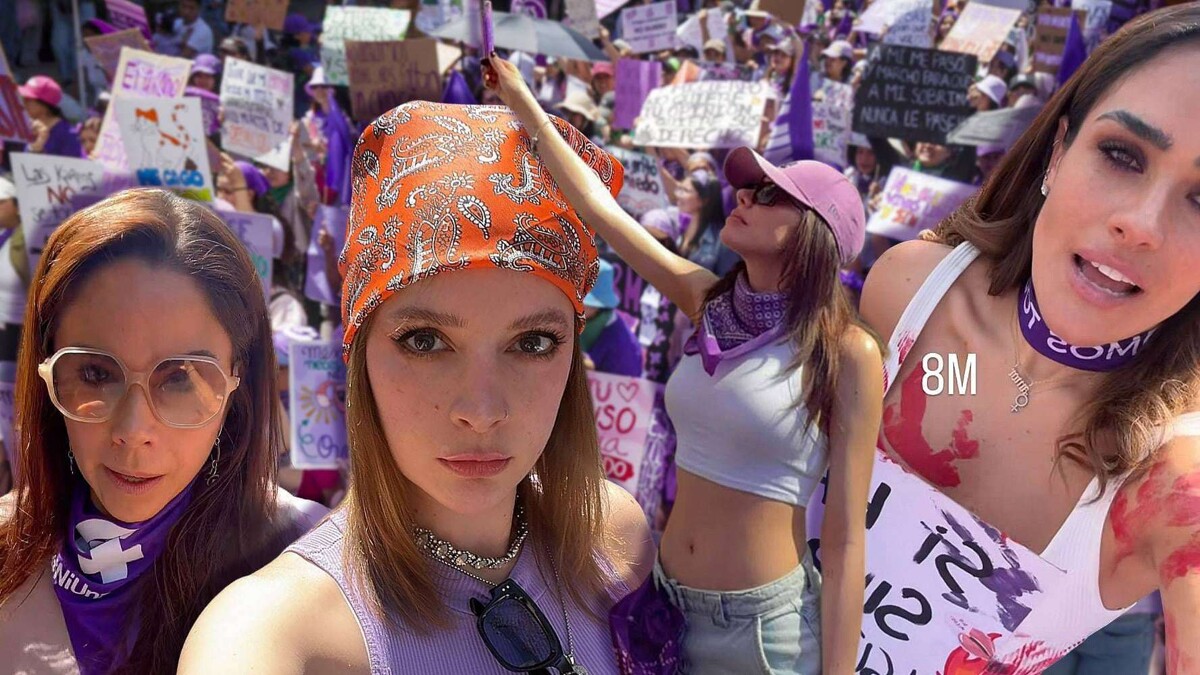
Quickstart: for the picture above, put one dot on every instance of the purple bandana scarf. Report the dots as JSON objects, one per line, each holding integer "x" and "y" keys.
{"x": 99, "y": 563}
{"x": 1100, "y": 358}
{"x": 737, "y": 323}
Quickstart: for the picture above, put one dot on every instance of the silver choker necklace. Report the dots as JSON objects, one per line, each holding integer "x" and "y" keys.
{"x": 443, "y": 551}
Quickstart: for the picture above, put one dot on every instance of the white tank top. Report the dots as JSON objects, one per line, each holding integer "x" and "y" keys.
{"x": 946, "y": 592}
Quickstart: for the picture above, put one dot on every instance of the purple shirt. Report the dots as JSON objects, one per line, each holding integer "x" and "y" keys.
{"x": 63, "y": 141}
{"x": 617, "y": 351}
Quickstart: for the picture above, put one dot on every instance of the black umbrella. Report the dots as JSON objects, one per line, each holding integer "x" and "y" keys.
{"x": 525, "y": 33}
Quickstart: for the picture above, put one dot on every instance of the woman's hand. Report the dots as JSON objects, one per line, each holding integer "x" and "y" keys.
{"x": 503, "y": 78}
{"x": 326, "y": 242}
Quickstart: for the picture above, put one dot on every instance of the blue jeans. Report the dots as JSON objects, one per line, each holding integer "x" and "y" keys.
{"x": 1123, "y": 647}
{"x": 774, "y": 629}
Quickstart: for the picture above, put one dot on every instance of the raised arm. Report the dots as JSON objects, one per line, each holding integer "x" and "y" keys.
{"x": 681, "y": 280}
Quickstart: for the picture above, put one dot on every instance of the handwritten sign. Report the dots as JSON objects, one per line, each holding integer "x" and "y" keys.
{"x": 107, "y": 48}
{"x": 144, "y": 74}
{"x": 703, "y": 115}
{"x": 643, "y": 189}
{"x": 126, "y": 14}
{"x": 269, "y": 13}
{"x": 690, "y": 34}
{"x": 1050, "y": 38}
{"x": 831, "y": 117}
{"x": 255, "y": 231}
{"x": 165, "y": 144}
{"x": 258, "y": 112}
{"x": 581, "y": 17}
{"x": 14, "y": 123}
{"x": 910, "y": 25}
{"x": 981, "y": 30}
{"x": 48, "y": 188}
{"x": 943, "y": 587}
{"x": 635, "y": 80}
{"x": 915, "y": 201}
{"x": 317, "y": 285}
{"x": 360, "y": 24}
{"x": 650, "y": 28}
{"x": 623, "y": 407}
{"x": 914, "y": 94}
{"x": 384, "y": 75}
{"x": 317, "y": 405}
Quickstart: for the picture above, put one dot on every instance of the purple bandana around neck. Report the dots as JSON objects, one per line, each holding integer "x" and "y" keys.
{"x": 737, "y": 323}
{"x": 1100, "y": 358}
{"x": 99, "y": 563}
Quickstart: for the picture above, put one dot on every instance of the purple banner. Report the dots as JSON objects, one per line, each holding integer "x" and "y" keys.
{"x": 635, "y": 80}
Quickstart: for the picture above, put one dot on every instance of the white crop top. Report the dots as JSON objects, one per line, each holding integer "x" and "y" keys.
{"x": 741, "y": 428}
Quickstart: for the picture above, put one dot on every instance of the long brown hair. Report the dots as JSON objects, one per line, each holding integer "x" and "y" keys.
{"x": 226, "y": 531}
{"x": 819, "y": 311}
{"x": 563, "y": 501}
{"x": 1132, "y": 403}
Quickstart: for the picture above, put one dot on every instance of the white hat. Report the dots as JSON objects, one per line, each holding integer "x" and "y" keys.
{"x": 993, "y": 88}
{"x": 317, "y": 80}
{"x": 7, "y": 189}
{"x": 839, "y": 49}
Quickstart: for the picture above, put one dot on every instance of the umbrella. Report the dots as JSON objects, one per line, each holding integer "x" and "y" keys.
{"x": 524, "y": 33}
{"x": 1001, "y": 127}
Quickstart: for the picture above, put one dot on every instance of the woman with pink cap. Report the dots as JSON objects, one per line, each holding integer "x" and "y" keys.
{"x": 53, "y": 135}
{"x": 779, "y": 384}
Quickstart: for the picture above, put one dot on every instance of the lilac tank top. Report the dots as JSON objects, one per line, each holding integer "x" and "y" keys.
{"x": 458, "y": 648}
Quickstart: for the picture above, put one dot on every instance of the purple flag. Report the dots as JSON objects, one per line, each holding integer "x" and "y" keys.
{"x": 340, "y": 138}
{"x": 457, "y": 90}
{"x": 800, "y": 115}
{"x": 1074, "y": 53}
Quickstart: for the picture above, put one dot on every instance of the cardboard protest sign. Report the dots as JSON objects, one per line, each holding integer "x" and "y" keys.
{"x": 938, "y": 580}
{"x": 623, "y": 407}
{"x": 831, "y": 117}
{"x": 48, "y": 192}
{"x": 634, "y": 81}
{"x": 255, "y": 230}
{"x": 317, "y": 404}
{"x": 980, "y": 30}
{"x": 258, "y": 112}
{"x": 911, "y": 25}
{"x": 643, "y": 189}
{"x": 125, "y": 14}
{"x": 994, "y": 127}
{"x": 139, "y": 73}
{"x": 360, "y": 24}
{"x": 269, "y": 13}
{"x": 1050, "y": 38}
{"x": 581, "y": 17}
{"x": 789, "y": 11}
{"x": 915, "y": 201}
{"x": 650, "y": 28}
{"x": 14, "y": 123}
{"x": 385, "y": 74}
{"x": 689, "y": 33}
{"x": 914, "y": 94}
{"x": 703, "y": 115}
{"x": 165, "y": 144}
{"x": 317, "y": 284}
{"x": 107, "y": 48}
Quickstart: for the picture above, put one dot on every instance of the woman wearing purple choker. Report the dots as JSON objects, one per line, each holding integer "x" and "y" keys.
{"x": 1030, "y": 498}
{"x": 778, "y": 384}
{"x": 135, "y": 505}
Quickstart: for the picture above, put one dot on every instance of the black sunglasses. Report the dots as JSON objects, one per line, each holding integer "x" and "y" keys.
{"x": 518, "y": 634}
{"x": 767, "y": 193}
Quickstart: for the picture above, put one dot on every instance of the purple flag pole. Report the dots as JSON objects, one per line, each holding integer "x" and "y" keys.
{"x": 1074, "y": 53}
{"x": 800, "y": 116}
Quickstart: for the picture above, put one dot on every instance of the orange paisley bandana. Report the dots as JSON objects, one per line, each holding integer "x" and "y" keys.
{"x": 439, "y": 187}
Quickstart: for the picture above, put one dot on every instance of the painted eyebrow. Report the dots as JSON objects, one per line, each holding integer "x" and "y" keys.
{"x": 552, "y": 317}
{"x": 1140, "y": 128}
{"x": 427, "y": 316}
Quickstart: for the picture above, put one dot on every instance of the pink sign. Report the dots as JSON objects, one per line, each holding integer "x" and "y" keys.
{"x": 624, "y": 407}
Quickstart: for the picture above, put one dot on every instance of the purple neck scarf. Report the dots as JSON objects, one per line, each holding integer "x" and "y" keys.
{"x": 1100, "y": 358}
{"x": 94, "y": 573}
{"x": 737, "y": 323}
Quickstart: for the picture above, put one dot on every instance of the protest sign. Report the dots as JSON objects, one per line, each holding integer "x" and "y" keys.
{"x": 726, "y": 70}
{"x": 256, "y": 231}
{"x": 831, "y": 115}
{"x": 980, "y": 30}
{"x": 703, "y": 115}
{"x": 126, "y": 14}
{"x": 606, "y": 7}
{"x": 317, "y": 285}
{"x": 385, "y": 74}
{"x": 689, "y": 33}
{"x": 914, "y": 94}
{"x": 789, "y": 11}
{"x": 581, "y": 17}
{"x": 939, "y": 580}
{"x": 269, "y": 13}
{"x": 107, "y": 48}
{"x": 165, "y": 144}
{"x": 14, "y": 123}
{"x": 258, "y": 112}
{"x": 994, "y": 127}
{"x": 317, "y": 404}
{"x": 1050, "y": 38}
{"x": 643, "y": 189}
{"x": 139, "y": 73}
{"x": 875, "y": 18}
{"x": 910, "y": 26}
{"x": 914, "y": 201}
{"x": 635, "y": 80}
{"x": 650, "y": 28}
{"x": 623, "y": 407}
{"x": 360, "y": 24}
{"x": 434, "y": 14}
{"x": 1095, "y": 25}
{"x": 48, "y": 191}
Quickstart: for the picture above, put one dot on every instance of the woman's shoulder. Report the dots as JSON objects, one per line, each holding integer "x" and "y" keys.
{"x": 629, "y": 545}
{"x": 895, "y": 279}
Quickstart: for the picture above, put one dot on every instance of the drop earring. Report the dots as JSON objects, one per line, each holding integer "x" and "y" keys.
{"x": 216, "y": 457}
{"x": 1045, "y": 189}
{"x": 71, "y": 462}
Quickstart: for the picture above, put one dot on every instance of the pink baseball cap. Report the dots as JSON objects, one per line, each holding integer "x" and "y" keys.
{"x": 42, "y": 88}
{"x": 814, "y": 184}
{"x": 603, "y": 68}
